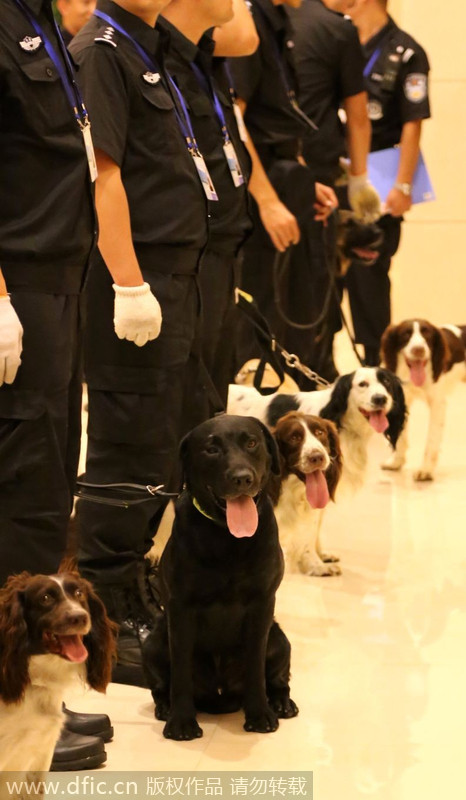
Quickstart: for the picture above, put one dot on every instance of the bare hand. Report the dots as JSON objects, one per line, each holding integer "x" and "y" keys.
{"x": 326, "y": 202}
{"x": 397, "y": 203}
{"x": 280, "y": 224}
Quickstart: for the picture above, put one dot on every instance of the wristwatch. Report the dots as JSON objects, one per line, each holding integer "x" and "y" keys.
{"x": 404, "y": 188}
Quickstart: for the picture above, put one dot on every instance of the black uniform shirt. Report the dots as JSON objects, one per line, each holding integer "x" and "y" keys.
{"x": 396, "y": 84}
{"x": 134, "y": 123}
{"x": 229, "y": 220}
{"x": 46, "y": 212}
{"x": 264, "y": 78}
{"x": 329, "y": 63}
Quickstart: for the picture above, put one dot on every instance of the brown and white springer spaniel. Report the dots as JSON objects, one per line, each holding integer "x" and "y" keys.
{"x": 311, "y": 464}
{"x": 429, "y": 361}
{"x": 53, "y": 630}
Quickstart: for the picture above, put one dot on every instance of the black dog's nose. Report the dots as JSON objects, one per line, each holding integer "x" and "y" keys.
{"x": 242, "y": 479}
{"x": 379, "y": 400}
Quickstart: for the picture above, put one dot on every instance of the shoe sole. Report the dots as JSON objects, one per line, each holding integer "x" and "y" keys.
{"x": 90, "y": 762}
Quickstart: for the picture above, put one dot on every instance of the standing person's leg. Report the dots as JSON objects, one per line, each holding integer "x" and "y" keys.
{"x": 136, "y": 398}
{"x": 218, "y": 277}
{"x": 35, "y": 496}
{"x": 369, "y": 292}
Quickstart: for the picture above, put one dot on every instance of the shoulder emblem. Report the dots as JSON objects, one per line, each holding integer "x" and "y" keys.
{"x": 106, "y": 35}
{"x": 415, "y": 87}
{"x": 30, "y": 43}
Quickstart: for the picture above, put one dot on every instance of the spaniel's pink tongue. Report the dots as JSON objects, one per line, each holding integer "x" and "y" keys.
{"x": 317, "y": 489}
{"x": 379, "y": 421}
{"x": 72, "y": 648}
{"x": 417, "y": 372}
{"x": 242, "y": 517}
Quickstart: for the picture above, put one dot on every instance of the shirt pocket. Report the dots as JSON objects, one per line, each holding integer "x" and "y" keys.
{"x": 165, "y": 130}
{"x": 46, "y": 107}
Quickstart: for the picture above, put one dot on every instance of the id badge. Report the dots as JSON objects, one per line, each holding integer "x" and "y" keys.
{"x": 204, "y": 175}
{"x": 233, "y": 163}
{"x": 243, "y": 134}
{"x": 90, "y": 151}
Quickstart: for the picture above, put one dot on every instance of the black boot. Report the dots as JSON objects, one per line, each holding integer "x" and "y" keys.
{"x": 73, "y": 752}
{"x": 134, "y": 610}
{"x": 88, "y": 724}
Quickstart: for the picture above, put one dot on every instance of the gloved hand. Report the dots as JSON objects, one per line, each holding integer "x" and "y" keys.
{"x": 11, "y": 341}
{"x": 363, "y": 198}
{"x": 137, "y": 314}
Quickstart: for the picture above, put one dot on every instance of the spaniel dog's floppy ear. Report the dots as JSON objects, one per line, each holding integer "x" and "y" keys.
{"x": 100, "y": 642}
{"x": 333, "y": 473}
{"x": 338, "y": 402}
{"x": 272, "y": 447}
{"x": 398, "y": 413}
{"x": 440, "y": 353}
{"x": 14, "y": 656}
{"x": 389, "y": 347}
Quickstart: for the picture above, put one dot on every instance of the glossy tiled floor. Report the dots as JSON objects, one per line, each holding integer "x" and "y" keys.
{"x": 378, "y": 653}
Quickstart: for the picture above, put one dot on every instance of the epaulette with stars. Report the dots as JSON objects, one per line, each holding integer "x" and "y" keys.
{"x": 105, "y": 35}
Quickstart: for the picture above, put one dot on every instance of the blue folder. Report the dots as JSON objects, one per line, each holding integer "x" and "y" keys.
{"x": 383, "y": 169}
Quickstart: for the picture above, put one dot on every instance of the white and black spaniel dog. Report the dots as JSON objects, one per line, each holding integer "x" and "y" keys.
{"x": 310, "y": 469}
{"x": 53, "y": 630}
{"x": 367, "y": 400}
{"x": 430, "y": 361}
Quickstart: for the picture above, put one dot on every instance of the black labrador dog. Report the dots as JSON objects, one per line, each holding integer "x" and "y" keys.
{"x": 216, "y": 647}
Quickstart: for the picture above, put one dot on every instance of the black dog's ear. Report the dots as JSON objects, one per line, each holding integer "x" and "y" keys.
{"x": 338, "y": 402}
{"x": 389, "y": 347}
{"x": 398, "y": 413}
{"x": 272, "y": 447}
{"x": 14, "y": 657}
{"x": 333, "y": 473}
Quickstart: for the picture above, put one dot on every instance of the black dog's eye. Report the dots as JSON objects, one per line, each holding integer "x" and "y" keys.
{"x": 251, "y": 444}
{"x": 363, "y": 384}
{"x": 212, "y": 449}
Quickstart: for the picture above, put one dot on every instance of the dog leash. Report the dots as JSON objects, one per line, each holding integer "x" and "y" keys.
{"x": 130, "y": 489}
{"x": 270, "y": 347}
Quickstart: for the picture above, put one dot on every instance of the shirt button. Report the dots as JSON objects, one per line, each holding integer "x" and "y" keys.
{"x": 49, "y": 72}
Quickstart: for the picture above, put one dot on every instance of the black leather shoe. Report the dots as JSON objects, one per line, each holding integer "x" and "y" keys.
{"x": 88, "y": 724}
{"x": 73, "y": 752}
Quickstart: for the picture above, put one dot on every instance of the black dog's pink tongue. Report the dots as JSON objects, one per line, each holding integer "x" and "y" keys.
{"x": 417, "y": 371}
{"x": 317, "y": 489}
{"x": 379, "y": 421}
{"x": 73, "y": 648}
{"x": 242, "y": 517}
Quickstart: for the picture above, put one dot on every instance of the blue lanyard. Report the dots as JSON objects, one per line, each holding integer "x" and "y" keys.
{"x": 65, "y": 71}
{"x": 206, "y": 82}
{"x": 183, "y": 120}
{"x": 281, "y": 68}
{"x": 368, "y": 68}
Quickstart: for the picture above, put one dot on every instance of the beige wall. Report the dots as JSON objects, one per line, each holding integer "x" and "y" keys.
{"x": 429, "y": 271}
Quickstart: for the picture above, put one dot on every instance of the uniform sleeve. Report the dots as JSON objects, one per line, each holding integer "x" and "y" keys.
{"x": 351, "y": 64}
{"x": 414, "y": 89}
{"x": 105, "y": 94}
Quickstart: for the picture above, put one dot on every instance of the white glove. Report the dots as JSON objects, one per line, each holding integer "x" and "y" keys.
{"x": 363, "y": 198}
{"x": 137, "y": 314}
{"x": 11, "y": 341}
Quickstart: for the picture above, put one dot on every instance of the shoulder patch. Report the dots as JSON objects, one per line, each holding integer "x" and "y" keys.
{"x": 415, "y": 87}
{"x": 105, "y": 36}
